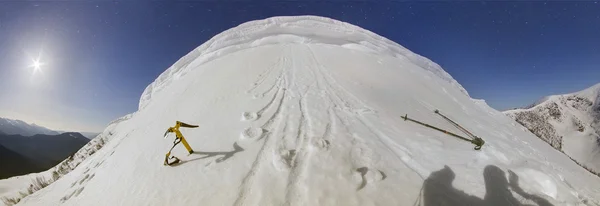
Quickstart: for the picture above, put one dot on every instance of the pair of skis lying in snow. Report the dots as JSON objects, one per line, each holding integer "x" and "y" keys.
{"x": 477, "y": 141}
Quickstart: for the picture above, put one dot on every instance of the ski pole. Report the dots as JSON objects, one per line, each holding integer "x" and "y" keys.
{"x": 475, "y": 139}
{"x": 455, "y": 124}
{"x": 478, "y": 142}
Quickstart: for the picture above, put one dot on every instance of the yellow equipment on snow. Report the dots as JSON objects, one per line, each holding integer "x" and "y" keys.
{"x": 178, "y": 138}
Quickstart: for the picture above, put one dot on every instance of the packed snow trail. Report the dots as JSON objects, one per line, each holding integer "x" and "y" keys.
{"x": 296, "y": 117}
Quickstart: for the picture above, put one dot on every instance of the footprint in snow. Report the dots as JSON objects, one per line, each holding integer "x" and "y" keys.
{"x": 252, "y": 133}
{"x": 322, "y": 144}
{"x": 257, "y": 96}
{"x": 249, "y": 116}
{"x": 368, "y": 176}
{"x": 284, "y": 159}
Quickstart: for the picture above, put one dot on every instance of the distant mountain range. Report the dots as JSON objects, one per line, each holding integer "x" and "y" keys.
{"x": 22, "y": 155}
{"x": 568, "y": 122}
{"x": 27, "y": 148}
{"x": 14, "y": 164}
{"x": 90, "y": 135}
{"x": 11, "y": 126}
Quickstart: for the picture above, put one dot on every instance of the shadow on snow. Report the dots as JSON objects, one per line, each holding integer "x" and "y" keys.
{"x": 438, "y": 190}
{"x": 224, "y": 155}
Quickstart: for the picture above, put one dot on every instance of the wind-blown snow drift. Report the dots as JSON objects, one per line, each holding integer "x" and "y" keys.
{"x": 306, "y": 111}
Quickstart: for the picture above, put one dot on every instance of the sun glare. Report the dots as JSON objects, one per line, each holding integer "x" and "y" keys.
{"x": 37, "y": 66}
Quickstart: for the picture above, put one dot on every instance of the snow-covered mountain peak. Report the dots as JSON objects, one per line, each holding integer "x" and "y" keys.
{"x": 307, "y": 111}
{"x": 13, "y": 126}
{"x": 589, "y": 95}
{"x": 587, "y": 100}
{"x": 569, "y": 122}
{"x": 291, "y": 30}
{"x": 592, "y": 93}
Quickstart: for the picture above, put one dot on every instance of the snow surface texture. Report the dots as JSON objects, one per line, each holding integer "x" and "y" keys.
{"x": 569, "y": 122}
{"x": 306, "y": 111}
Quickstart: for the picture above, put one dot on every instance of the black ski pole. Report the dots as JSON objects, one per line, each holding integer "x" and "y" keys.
{"x": 478, "y": 142}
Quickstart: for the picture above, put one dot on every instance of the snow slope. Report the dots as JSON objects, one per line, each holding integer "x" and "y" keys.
{"x": 569, "y": 122}
{"x": 306, "y": 111}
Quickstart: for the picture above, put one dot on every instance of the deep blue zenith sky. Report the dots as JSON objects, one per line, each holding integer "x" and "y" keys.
{"x": 99, "y": 56}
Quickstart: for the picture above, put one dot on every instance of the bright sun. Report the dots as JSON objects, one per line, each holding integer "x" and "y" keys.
{"x": 37, "y": 66}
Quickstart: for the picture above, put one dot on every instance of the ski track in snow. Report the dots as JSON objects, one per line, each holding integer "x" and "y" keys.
{"x": 271, "y": 130}
{"x": 301, "y": 83}
{"x": 319, "y": 125}
{"x": 248, "y": 181}
{"x": 335, "y": 96}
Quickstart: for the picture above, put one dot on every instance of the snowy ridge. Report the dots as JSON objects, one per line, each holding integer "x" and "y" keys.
{"x": 592, "y": 93}
{"x": 293, "y": 122}
{"x": 569, "y": 122}
{"x": 538, "y": 102}
{"x": 293, "y": 29}
{"x": 11, "y": 126}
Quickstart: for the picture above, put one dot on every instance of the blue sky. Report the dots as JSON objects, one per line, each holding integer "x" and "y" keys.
{"x": 99, "y": 56}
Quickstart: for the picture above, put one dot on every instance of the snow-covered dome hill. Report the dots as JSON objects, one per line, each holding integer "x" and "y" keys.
{"x": 292, "y": 29}
{"x": 308, "y": 111}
